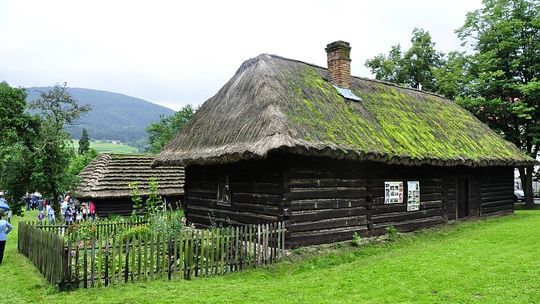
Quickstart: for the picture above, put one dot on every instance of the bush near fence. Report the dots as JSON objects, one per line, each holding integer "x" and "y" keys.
{"x": 109, "y": 259}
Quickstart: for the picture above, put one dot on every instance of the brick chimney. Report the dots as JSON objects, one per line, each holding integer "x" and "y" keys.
{"x": 339, "y": 63}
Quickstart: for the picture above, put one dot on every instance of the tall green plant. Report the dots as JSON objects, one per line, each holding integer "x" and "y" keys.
{"x": 154, "y": 202}
{"x": 138, "y": 203}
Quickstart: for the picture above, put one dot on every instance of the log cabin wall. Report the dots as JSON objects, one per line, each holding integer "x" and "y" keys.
{"x": 497, "y": 191}
{"x": 255, "y": 189}
{"x": 106, "y": 207}
{"x": 114, "y": 206}
{"x": 327, "y": 201}
{"x": 431, "y": 211}
{"x": 323, "y": 201}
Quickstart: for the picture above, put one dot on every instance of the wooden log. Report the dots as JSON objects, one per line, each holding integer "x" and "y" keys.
{"x": 405, "y": 216}
{"x": 507, "y": 208}
{"x": 326, "y": 182}
{"x": 253, "y": 198}
{"x": 229, "y": 216}
{"x": 329, "y": 192}
{"x": 324, "y": 236}
{"x": 310, "y": 216}
{"x": 410, "y": 225}
{"x": 255, "y": 187}
{"x": 329, "y": 223}
{"x": 331, "y": 203}
{"x": 496, "y": 203}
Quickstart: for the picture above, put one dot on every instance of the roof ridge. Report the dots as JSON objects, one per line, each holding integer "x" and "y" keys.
{"x": 100, "y": 167}
{"x": 356, "y": 77}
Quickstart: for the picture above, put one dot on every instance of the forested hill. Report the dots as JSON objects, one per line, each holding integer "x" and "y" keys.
{"x": 113, "y": 116}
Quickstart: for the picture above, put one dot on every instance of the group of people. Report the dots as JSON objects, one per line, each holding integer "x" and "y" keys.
{"x": 34, "y": 201}
{"x": 71, "y": 211}
{"x": 77, "y": 212}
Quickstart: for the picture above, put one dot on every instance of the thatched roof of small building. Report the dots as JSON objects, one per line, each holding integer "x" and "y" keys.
{"x": 109, "y": 175}
{"x": 277, "y": 104}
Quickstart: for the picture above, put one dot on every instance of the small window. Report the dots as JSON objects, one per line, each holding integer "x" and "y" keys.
{"x": 224, "y": 191}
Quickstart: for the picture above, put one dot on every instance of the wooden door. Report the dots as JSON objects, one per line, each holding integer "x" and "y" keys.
{"x": 462, "y": 197}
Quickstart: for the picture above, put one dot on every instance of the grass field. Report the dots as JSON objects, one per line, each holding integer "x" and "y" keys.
{"x": 494, "y": 260}
{"x": 103, "y": 147}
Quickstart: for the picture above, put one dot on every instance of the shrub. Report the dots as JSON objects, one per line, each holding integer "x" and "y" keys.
{"x": 115, "y": 218}
{"x": 167, "y": 223}
{"x": 137, "y": 232}
{"x": 153, "y": 203}
{"x": 356, "y": 239}
{"x": 83, "y": 231}
{"x": 392, "y": 233}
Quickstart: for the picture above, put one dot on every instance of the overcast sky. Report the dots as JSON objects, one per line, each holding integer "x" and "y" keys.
{"x": 178, "y": 52}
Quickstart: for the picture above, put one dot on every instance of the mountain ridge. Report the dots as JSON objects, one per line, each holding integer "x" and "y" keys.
{"x": 114, "y": 116}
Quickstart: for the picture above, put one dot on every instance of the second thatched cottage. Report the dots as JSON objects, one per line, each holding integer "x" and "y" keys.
{"x": 331, "y": 155}
{"x": 105, "y": 181}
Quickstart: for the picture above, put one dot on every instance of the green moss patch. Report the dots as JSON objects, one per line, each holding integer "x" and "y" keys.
{"x": 391, "y": 121}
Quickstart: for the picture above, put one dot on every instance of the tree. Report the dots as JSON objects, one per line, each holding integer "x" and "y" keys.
{"x": 58, "y": 110}
{"x": 415, "y": 68}
{"x": 452, "y": 77}
{"x": 17, "y": 131}
{"x": 504, "y": 74}
{"x": 161, "y": 132}
{"x": 84, "y": 142}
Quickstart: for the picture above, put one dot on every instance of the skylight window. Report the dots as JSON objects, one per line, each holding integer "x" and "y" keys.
{"x": 347, "y": 94}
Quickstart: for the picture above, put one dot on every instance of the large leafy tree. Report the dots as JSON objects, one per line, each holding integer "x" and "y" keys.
{"x": 504, "y": 73}
{"x": 58, "y": 110}
{"x": 17, "y": 132}
{"x": 161, "y": 132}
{"x": 12, "y": 115}
{"x": 414, "y": 68}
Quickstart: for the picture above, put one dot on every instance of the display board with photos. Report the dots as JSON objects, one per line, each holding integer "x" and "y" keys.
{"x": 413, "y": 195}
{"x": 393, "y": 192}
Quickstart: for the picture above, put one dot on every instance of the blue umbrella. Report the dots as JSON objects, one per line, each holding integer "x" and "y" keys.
{"x": 3, "y": 205}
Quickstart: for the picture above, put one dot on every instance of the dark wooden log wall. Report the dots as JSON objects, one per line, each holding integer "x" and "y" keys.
{"x": 324, "y": 201}
{"x": 497, "y": 192}
{"x": 327, "y": 202}
{"x": 122, "y": 206}
{"x": 118, "y": 206}
{"x": 256, "y": 190}
{"x": 383, "y": 215}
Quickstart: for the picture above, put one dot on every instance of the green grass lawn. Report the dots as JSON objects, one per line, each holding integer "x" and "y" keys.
{"x": 488, "y": 261}
{"x": 105, "y": 147}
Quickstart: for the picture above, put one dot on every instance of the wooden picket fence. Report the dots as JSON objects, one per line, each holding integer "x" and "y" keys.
{"x": 104, "y": 228}
{"x": 115, "y": 260}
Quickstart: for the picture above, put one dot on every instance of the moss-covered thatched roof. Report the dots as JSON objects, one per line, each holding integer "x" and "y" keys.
{"x": 109, "y": 175}
{"x": 273, "y": 103}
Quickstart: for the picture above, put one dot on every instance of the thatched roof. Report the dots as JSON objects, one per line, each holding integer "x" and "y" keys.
{"x": 273, "y": 103}
{"x": 108, "y": 176}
